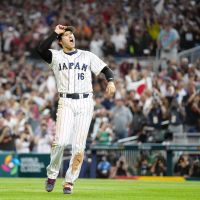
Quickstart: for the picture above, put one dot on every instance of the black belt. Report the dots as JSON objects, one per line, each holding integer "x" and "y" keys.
{"x": 74, "y": 95}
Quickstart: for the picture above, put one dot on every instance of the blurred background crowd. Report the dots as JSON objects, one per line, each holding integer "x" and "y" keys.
{"x": 147, "y": 164}
{"x": 153, "y": 100}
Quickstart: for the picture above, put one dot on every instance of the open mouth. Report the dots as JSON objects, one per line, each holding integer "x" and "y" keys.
{"x": 71, "y": 40}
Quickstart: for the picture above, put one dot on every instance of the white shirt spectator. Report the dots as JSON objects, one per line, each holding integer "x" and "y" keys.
{"x": 8, "y": 36}
{"x": 119, "y": 40}
{"x": 96, "y": 47}
{"x": 43, "y": 145}
{"x": 22, "y": 146}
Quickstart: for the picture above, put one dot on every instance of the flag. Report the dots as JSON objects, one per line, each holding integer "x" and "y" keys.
{"x": 137, "y": 86}
{"x": 141, "y": 85}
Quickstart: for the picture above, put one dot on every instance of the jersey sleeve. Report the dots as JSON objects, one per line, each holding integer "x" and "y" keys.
{"x": 96, "y": 64}
{"x": 54, "y": 56}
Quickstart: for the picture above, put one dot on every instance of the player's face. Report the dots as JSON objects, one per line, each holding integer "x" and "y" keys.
{"x": 68, "y": 41}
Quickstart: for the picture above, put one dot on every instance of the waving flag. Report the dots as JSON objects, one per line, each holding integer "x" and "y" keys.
{"x": 138, "y": 86}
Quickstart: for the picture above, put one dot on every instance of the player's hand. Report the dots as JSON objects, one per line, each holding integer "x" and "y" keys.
{"x": 60, "y": 29}
{"x": 110, "y": 89}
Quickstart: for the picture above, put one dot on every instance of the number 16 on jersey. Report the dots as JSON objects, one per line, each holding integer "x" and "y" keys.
{"x": 80, "y": 76}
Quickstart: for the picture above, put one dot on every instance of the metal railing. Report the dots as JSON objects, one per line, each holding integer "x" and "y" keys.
{"x": 192, "y": 54}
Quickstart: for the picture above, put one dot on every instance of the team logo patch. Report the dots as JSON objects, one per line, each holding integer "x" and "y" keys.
{"x": 10, "y": 165}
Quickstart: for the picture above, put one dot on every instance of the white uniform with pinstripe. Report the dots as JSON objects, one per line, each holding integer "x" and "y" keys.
{"x": 73, "y": 75}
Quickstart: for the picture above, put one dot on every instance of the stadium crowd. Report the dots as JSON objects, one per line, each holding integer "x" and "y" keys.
{"x": 121, "y": 27}
{"x": 150, "y": 105}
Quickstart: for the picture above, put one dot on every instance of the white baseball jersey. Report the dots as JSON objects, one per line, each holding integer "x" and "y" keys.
{"x": 73, "y": 72}
{"x": 73, "y": 75}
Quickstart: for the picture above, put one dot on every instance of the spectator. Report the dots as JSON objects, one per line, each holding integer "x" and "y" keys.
{"x": 121, "y": 119}
{"x": 7, "y": 139}
{"x": 51, "y": 125}
{"x": 195, "y": 169}
{"x": 188, "y": 33}
{"x": 176, "y": 117}
{"x": 138, "y": 117}
{"x": 96, "y": 45}
{"x": 21, "y": 120}
{"x": 42, "y": 140}
{"x": 168, "y": 41}
{"x": 140, "y": 42}
{"x": 182, "y": 166}
{"x": 108, "y": 102}
{"x": 25, "y": 140}
{"x": 143, "y": 165}
{"x": 119, "y": 40}
{"x": 192, "y": 110}
{"x": 122, "y": 167}
{"x": 105, "y": 134}
{"x": 155, "y": 117}
{"x": 108, "y": 47}
{"x": 159, "y": 167}
{"x": 24, "y": 81}
{"x": 100, "y": 115}
{"x": 121, "y": 171}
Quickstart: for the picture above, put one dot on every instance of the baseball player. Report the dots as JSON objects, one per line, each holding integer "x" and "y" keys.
{"x": 72, "y": 69}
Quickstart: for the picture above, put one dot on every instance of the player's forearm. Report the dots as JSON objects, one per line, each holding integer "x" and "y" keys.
{"x": 43, "y": 47}
{"x": 108, "y": 73}
{"x": 110, "y": 89}
{"x": 46, "y": 44}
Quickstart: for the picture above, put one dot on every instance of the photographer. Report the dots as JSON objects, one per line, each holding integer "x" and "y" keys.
{"x": 182, "y": 166}
{"x": 159, "y": 167}
{"x": 139, "y": 118}
{"x": 157, "y": 115}
{"x": 122, "y": 167}
{"x": 195, "y": 169}
{"x": 103, "y": 168}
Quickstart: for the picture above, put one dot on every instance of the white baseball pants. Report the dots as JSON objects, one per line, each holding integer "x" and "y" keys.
{"x": 72, "y": 125}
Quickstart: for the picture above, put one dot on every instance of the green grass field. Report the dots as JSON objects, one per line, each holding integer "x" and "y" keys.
{"x": 99, "y": 189}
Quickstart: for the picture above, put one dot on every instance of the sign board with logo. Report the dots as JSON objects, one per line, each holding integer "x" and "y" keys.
{"x": 33, "y": 165}
{"x": 9, "y": 164}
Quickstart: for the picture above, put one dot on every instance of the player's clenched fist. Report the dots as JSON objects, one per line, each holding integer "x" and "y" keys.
{"x": 60, "y": 29}
{"x": 110, "y": 89}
